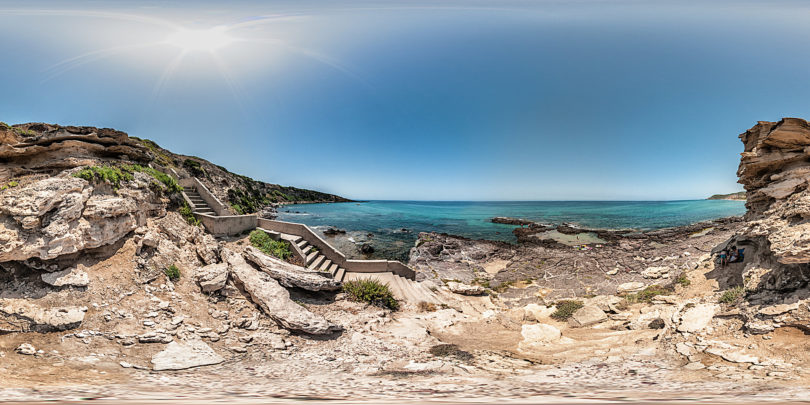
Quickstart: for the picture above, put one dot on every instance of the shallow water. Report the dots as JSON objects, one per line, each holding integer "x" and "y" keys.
{"x": 395, "y": 224}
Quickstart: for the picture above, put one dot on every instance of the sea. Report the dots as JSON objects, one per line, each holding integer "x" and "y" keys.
{"x": 392, "y": 227}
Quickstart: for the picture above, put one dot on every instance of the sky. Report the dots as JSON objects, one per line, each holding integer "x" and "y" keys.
{"x": 423, "y": 100}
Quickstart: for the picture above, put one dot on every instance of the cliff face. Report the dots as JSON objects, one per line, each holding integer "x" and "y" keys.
{"x": 775, "y": 170}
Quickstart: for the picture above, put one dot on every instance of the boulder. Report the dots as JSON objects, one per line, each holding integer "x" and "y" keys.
{"x": 465, "y": 289}
{"x": 71, "y": 277}
{"x": 274, "y": 299}
{"x": 366, "y": 249}
{"x": 655, "y": 272}
{"x": 290, "y": 275}
{"x": 629, "y": 288}
{"x": 696, "y": 318}
{"x": 212, "y": 277}
{"x": 26, "y": 349}
{"x": 182, "y": 355}
{"x": 538, "y": 336}
{"x": 586, "y": 316}
{"x": 18, "y": 315}
{"x": 535, "y": 312}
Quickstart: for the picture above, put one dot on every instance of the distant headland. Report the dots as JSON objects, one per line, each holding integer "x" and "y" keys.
{"x": 739, "y": 196}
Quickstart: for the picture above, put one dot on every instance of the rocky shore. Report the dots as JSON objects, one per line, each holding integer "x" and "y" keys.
{"x": 108, "y": 291}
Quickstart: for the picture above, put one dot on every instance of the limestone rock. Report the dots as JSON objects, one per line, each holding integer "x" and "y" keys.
{"x": 656, "y": 272}
{"x": 696, "y": 318}
{"x": 538, "y": 336}
{"x": 68, "y": 277}
{"x": 586, "y": 316}
{"x": 212, "y": 277}
{"x": 290, "y": 275}
{"x": 18, "y": 315}
{"x": 26, "y": 349}
{"x": 535, "y": 312}
{"x": 732, "y": 355}
{"x": 189, "y": 354}
{"x": 465, "y": 289}
{"x": 629, "y": 288}
{"x": 274, "y": 299}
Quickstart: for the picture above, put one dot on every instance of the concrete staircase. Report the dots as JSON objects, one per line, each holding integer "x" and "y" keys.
{"x": 314, "y": 259}
{"x": 200, "y": 206}
{"x": 402, "y": 288}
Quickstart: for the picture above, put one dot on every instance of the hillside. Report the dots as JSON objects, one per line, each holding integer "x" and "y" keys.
{"x": 739, "y": 196}
{"x": 36, "y": 149}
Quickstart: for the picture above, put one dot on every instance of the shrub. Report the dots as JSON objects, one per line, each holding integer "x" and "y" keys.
{"x": 262, "y": 241}
{"x": 194, "y": 167}
{"x": 10, "y": 184}
{"x": 683, "y": 280}
{"x": 647, "y": 294}
{"x": 109, "y": 174}
{"x": 425, "y": 306}
{"x": 372, "y": 292}
{"x": 186, "y": 212}
{"x": 3, "y": 125}
{"x": 172, "y": 273}
{"x": 732, "y": 295}
{"x": 565, "y": 309}
{"x": 450, "y": 350}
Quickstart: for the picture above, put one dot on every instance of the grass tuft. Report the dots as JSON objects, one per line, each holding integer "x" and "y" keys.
{"x": 172, "y": 273}
{"x": 683, "y": 280}
{"x": 647, "y": 294}
{"x": 566, "y": 309}
{"x": 425, "y": 306}
{"x": 372, "y": 292}
{"x": 277, "y": 248}
{"x": 450, "y": 350}
{"x": 188, "y": 214}
{"x": 732, "y": 295}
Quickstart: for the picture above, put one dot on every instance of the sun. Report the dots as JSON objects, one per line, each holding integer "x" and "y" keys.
{"x": 207, "y": 40}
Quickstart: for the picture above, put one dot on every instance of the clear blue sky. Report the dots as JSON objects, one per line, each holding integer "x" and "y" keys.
{"x": 432, "y": 100}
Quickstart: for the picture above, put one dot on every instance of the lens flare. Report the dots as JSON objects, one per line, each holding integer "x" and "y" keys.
{"x": 208, "y": 40}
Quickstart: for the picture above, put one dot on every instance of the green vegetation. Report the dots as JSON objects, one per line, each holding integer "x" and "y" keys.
{"x": 683, "y": 280}
{"x": 450, "y": 350}
{"x": 23, "y": 131}
{"x": 277, "y": 248}
{"x": 647, "y": 294}
{"x": 733, "y": 196}
{"x": 160, "y": 157}
{"x": 3, "y": 125}
{"x": 732, "y": 295}
{"x": 172, "y": 273}
{"x": 195, "y": 168}
{"x": 372, "y": 292}
{"x": 10, "y": 184}
{"x": 566, "y": 309}
{"x": 186, "y": 212}
{"x": 116, "y": 174}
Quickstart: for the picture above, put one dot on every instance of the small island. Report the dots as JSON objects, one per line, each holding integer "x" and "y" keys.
{"x": 738, "y": 196}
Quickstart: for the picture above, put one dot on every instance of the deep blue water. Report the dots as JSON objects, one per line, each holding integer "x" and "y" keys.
{"x": 386, "y": 219}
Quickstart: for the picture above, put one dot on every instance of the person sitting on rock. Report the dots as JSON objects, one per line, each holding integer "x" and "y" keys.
{"x": 733, "y": 255}
{"x": 723, "y": 257}
{"x": 737, "y": 255}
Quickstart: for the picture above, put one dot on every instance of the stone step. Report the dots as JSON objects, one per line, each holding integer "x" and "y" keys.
{"x": 333, "y": 269}
{"x": 325, "y": 265}
{"x": 306, "y": 250}
{"x": 311, "y": 256}
{"x": 340, "y": 273}
{"x": 302, "y": 243}
{"x": 317, "y": 262}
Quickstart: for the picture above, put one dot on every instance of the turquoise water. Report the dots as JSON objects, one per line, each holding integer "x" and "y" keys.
{"x": 387, "y": 219}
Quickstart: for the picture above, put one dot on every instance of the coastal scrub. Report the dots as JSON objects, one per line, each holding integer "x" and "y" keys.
{"x": 372, "y": 292}
{"x": 276, "y": 248}
{"x": 566, "y": 309}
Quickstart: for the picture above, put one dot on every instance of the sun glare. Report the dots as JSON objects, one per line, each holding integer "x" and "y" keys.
{"x": 200, "y": 40}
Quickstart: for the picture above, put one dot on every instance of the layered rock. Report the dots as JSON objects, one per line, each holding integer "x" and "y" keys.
{"x": 19, "y": 315}
{"x": 775, "y": 170}
{"x": 274, "y": 299}
{"x": 290, "y": 275}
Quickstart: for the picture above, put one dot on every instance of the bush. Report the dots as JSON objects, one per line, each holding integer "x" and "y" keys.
{"x": 732, "y": 295}
{"x": 565, "y": 309}
{"x": 172, "y": 273}
{"x": 186, "y": 212}
{"x": 277, "y": 248}
{"x": 683, "y": 280}
{"x": 194, "y": 167}
{"x": 116, "y": 174}
{"x": 372, "y": 292}
{"x": 647, "y": 294}
{"x": 450, "y": 350}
